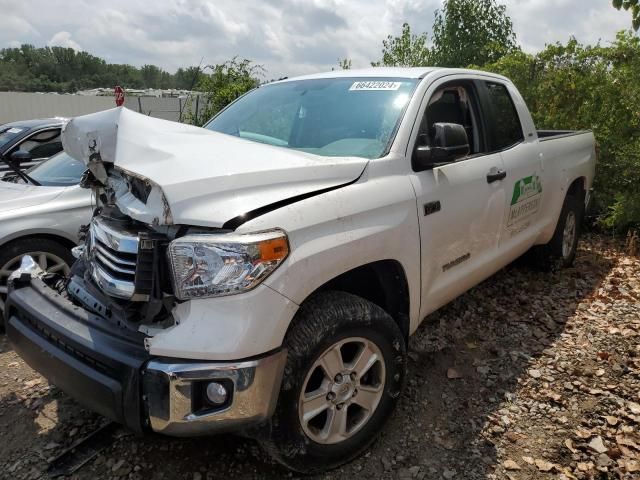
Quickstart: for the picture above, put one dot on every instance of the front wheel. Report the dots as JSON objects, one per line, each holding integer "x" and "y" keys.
{"x": 345, "y": 371}
{"x": 50, "y": 255}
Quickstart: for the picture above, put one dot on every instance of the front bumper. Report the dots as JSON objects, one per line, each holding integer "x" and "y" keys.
{"x": 107, "y": 369}
{"x": 175, "y": 409}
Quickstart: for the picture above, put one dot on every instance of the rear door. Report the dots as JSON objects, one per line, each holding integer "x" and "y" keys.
{"x": 460, "y": 205}
{"x": 523, "y": 164}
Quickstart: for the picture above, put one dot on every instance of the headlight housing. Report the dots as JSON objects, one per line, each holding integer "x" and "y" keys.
{"x": 214, "y": 265}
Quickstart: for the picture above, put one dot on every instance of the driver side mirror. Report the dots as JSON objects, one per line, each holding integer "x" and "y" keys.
{"x": 20, "y": 156}
{"x": 450, "y": 143}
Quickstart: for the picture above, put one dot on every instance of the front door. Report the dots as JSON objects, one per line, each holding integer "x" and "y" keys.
{"x": 461, "y": 205}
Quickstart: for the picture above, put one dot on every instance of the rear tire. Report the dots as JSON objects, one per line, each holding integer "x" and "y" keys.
{"x": 560, "y": 252}
{"x": 319, "y": 422}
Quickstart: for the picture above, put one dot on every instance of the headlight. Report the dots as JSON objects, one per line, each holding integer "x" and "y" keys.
{"x": 223, "y": 264}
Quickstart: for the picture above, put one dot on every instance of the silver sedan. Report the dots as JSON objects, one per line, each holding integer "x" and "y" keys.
{"x": 42, "y": 221}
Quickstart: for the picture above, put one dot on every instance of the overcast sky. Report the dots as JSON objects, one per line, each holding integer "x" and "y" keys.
{"x": 289, "y": 37}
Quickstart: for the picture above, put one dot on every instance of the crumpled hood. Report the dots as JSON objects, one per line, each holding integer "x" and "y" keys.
{"x": 206, "y": 178}
{"x": 18, "y": 195}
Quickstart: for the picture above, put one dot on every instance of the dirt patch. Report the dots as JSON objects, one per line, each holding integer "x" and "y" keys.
{"x": 528, "y": 376}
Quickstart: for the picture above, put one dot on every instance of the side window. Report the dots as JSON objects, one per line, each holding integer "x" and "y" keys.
{"x": 507, "y": 127}
{"x": 43, "y": 144}
{"x": 453, "y": 103}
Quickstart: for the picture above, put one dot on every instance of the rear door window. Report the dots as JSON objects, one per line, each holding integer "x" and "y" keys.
{"x": 42, "y": 144}
{"x": 507, "y": 130}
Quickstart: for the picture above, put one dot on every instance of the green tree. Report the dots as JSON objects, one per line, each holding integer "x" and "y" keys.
{"x": 471, "y": 32}
{"x": 407, "y": 50}
{"x": 572, "y": 86}
{"x": 59, "y": 69}
{"x": 226, "y": 82}
{"x": 344, "y": 64}
{"x": 187, "y": 78}
{"x": 151, "y": 76}
{"x": 633, "y": 6}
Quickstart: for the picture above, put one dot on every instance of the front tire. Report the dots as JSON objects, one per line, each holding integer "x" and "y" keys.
{"x": 345, "y": 371}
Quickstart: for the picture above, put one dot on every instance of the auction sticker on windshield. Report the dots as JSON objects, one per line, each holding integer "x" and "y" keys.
{"x": 525, "y": 202}
{"x": 375, "y": 85}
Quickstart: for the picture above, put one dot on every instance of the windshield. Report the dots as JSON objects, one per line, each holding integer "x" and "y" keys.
{"x": 7, "y": 134}
{"x": 328, "y": 117}
{"x": 61, "y": 170}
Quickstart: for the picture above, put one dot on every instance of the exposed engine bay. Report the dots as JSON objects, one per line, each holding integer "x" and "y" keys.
{"x": 125, "y": 287}
{"x": 122, "y": 272}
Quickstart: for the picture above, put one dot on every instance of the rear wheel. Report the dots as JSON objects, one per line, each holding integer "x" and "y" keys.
{"x": 50, "y": 255}
{"x": 345, "y": 371}
{"x": 561, "y": 250}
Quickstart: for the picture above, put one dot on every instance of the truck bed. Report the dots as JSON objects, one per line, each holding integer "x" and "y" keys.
{"x": 545, "y": 135}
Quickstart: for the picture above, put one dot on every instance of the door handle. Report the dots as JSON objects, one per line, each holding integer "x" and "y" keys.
{"x": 496, "y": 175}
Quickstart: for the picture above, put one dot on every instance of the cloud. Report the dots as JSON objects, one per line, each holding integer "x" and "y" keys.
{"x": 541, "y": 22}
{"x": 16, "y": 25}
{"x": 288, "y": 37}
{"x": 63, "y": 39}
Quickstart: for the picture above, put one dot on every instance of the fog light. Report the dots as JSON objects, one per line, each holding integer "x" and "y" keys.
{"x": 216, "y": 393}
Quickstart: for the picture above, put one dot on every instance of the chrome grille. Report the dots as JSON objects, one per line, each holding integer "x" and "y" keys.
{"x": 113, "y": 255}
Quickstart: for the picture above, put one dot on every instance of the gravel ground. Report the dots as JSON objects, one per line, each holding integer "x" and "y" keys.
{"x": 527, "y": 376}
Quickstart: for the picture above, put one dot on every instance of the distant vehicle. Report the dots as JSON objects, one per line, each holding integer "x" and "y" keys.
{"x": 42, "y": 221}
{"x": 37, "y": 140}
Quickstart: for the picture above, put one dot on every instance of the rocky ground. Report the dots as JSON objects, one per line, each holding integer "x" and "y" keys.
{"x": 528, "y": 376}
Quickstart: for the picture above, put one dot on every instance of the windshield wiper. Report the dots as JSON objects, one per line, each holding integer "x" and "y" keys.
{"x": 19, "y": 172}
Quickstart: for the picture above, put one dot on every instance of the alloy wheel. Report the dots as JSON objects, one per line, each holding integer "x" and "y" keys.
{"x": 49, "y": 262}
{"x": 569, "y": 234}
{"x": 342, "y": 390}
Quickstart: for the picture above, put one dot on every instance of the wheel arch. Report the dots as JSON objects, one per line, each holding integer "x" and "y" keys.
{"x": 64, "y": 241}
{"x": 383, "y": 283}
{"x": 577, "y": 188}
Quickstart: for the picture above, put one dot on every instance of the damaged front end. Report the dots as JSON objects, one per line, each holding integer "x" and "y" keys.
{"x": 126, "y": 333}
{"x": 95, "y": 141}
{"x": 133, "y": 195}
{"x": 122, "y": 273}
{"x": 138, "y": 198}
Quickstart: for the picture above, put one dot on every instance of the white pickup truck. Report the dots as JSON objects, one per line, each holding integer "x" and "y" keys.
{"x": 263, "y": 274}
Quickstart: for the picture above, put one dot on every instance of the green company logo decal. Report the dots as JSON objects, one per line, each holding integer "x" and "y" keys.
{"x": 526, "y": 199}
{"x": 525, "y": 188}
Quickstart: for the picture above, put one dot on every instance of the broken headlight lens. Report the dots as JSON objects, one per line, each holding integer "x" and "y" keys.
{"x": 224, "y": 264}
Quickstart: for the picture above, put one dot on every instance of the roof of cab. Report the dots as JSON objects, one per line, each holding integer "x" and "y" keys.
{"x": 390, "y": 72}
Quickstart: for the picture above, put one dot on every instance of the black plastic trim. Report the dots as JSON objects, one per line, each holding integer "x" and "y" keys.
{"x": 88, "y": 358}
{"x": 546, "y": 135}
